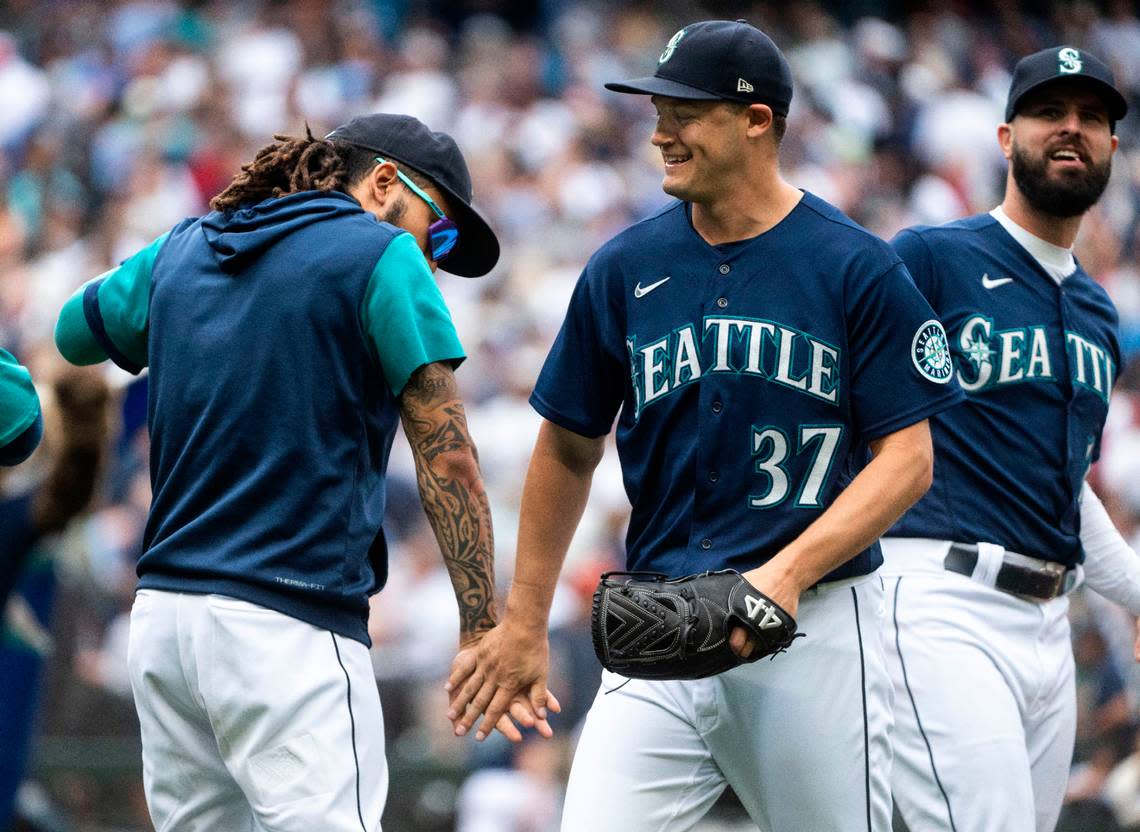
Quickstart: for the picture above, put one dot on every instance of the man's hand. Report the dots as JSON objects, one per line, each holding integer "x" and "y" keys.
{"x": 780, "y": 586}
{"x": 502, "y": 675}
{"x": 650, "y": 626}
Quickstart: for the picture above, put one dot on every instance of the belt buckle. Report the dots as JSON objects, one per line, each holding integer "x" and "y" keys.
{"x": 1057, "y": 572}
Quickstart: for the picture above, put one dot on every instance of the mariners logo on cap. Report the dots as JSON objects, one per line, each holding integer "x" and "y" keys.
{"x": 930, "y": 352}
{"x": 670, "y": 46}
{"x": 1069, "y": 60}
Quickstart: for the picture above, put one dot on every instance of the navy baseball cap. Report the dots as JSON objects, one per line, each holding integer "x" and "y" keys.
{"x": 1057, "y": 64}
{"x": 436, "y": 155}
{"x": 719, "y": 60}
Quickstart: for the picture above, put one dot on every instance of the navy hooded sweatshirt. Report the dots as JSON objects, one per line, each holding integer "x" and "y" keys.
{"x": 278, "y": 338}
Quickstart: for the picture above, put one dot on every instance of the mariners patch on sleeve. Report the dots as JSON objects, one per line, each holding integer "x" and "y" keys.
{"x": 930, "y": 351}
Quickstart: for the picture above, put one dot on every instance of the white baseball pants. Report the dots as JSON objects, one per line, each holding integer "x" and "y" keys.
{"x": 985, "y": 698}
{"x": 803, "y": 739}
{"x": 252, "y": 720}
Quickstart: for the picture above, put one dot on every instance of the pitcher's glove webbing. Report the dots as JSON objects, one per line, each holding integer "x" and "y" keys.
{"x": 648, "y": 626}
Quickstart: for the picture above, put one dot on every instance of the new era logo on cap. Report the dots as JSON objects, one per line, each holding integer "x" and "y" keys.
{"x": 743, "y": 86}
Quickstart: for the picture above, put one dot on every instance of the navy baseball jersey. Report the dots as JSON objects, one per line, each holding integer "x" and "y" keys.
{"x": 278, "y": 339}
{"x": 1037, "y": 361}
{"x": 749, "y": 378}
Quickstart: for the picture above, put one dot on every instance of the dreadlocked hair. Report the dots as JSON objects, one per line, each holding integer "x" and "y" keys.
{"x": 288, "y": 166}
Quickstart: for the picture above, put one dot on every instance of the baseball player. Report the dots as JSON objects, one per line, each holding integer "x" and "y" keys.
{"x": 21, "y": 429}
{"x": 21, "y": 425}
{"x": 979, "y": 644}
{"x": 73, "y": 458}
{"x": 771, "y": 367}
{"x": 287, "y": 333}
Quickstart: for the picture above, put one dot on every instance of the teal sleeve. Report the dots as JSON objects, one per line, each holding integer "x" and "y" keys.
{"x": 404, "y": 317}
{"x": 73, "y": 337}
{"x": 109, "y": 316}
{"x": 19, "y": 404}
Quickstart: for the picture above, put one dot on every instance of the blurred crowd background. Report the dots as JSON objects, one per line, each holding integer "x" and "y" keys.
{"x": 119, "y": 118}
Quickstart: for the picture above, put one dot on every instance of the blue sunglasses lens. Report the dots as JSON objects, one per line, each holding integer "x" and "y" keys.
{"x": 442, "y": 236}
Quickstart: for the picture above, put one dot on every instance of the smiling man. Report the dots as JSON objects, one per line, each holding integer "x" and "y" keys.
{"x": 771, "y": 367}
{"x": 977, "y": 571}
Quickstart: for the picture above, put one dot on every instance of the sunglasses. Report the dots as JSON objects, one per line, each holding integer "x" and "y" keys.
{"x": 442, "y": 234}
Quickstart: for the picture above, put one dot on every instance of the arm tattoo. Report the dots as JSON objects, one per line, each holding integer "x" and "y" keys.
{"x": 456, "y": 506}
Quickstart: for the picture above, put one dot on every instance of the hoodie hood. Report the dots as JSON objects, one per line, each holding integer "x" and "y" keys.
{"x": 244, "y": 235}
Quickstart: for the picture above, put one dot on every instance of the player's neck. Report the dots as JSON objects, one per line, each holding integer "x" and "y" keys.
{"x": 1060, "y": 231}
{"x": 745, "y": 213}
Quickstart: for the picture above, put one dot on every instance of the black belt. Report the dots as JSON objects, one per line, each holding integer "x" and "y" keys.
{"x": 1044, "y": 583}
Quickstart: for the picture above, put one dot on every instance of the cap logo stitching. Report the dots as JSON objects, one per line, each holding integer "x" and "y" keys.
{"x": 670, "y": 46}
{"x": 1069, "y": 60}
{"x": 743, "y": 86}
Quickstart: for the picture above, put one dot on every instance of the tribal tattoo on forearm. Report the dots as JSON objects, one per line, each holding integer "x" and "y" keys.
{"x": 451, "y": 491}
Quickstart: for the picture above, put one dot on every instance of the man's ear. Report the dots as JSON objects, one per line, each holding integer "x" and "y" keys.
{"x": 382, "y": 182}
{"x": 759, "y": 119}
{"x": 1005, "y": 140}
{"x": 376, "y": 189}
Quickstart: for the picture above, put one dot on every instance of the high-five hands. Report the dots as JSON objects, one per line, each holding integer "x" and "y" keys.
{"x": 501, "y": 676}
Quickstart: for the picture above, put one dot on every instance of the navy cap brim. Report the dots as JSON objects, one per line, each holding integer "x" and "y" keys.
{"x": 477, "y": 250}
{"x": 1117, "y": 105}
{"x": 654, "y": 85}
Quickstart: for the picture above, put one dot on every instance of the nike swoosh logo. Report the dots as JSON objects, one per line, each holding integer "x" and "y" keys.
{"x": 993, "y": 283}
{"x": 640, "y": 291}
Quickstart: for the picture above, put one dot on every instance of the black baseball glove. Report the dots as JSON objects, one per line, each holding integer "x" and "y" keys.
{"x": 648, "y": 626}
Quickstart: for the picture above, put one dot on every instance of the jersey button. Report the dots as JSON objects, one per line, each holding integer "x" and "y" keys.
{"x": 714, "y": 476}
{"x": 724, "y": 268}
{"x": 717, "y": 407}
{"x": 706, "y": 544}
{"x": 722, "y": 302}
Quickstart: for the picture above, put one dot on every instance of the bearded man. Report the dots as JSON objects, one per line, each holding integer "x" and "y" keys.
{"x": 978, "y": 570}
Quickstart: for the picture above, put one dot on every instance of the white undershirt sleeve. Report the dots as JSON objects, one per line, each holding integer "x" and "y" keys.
{"x": 1111, "y": 567}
